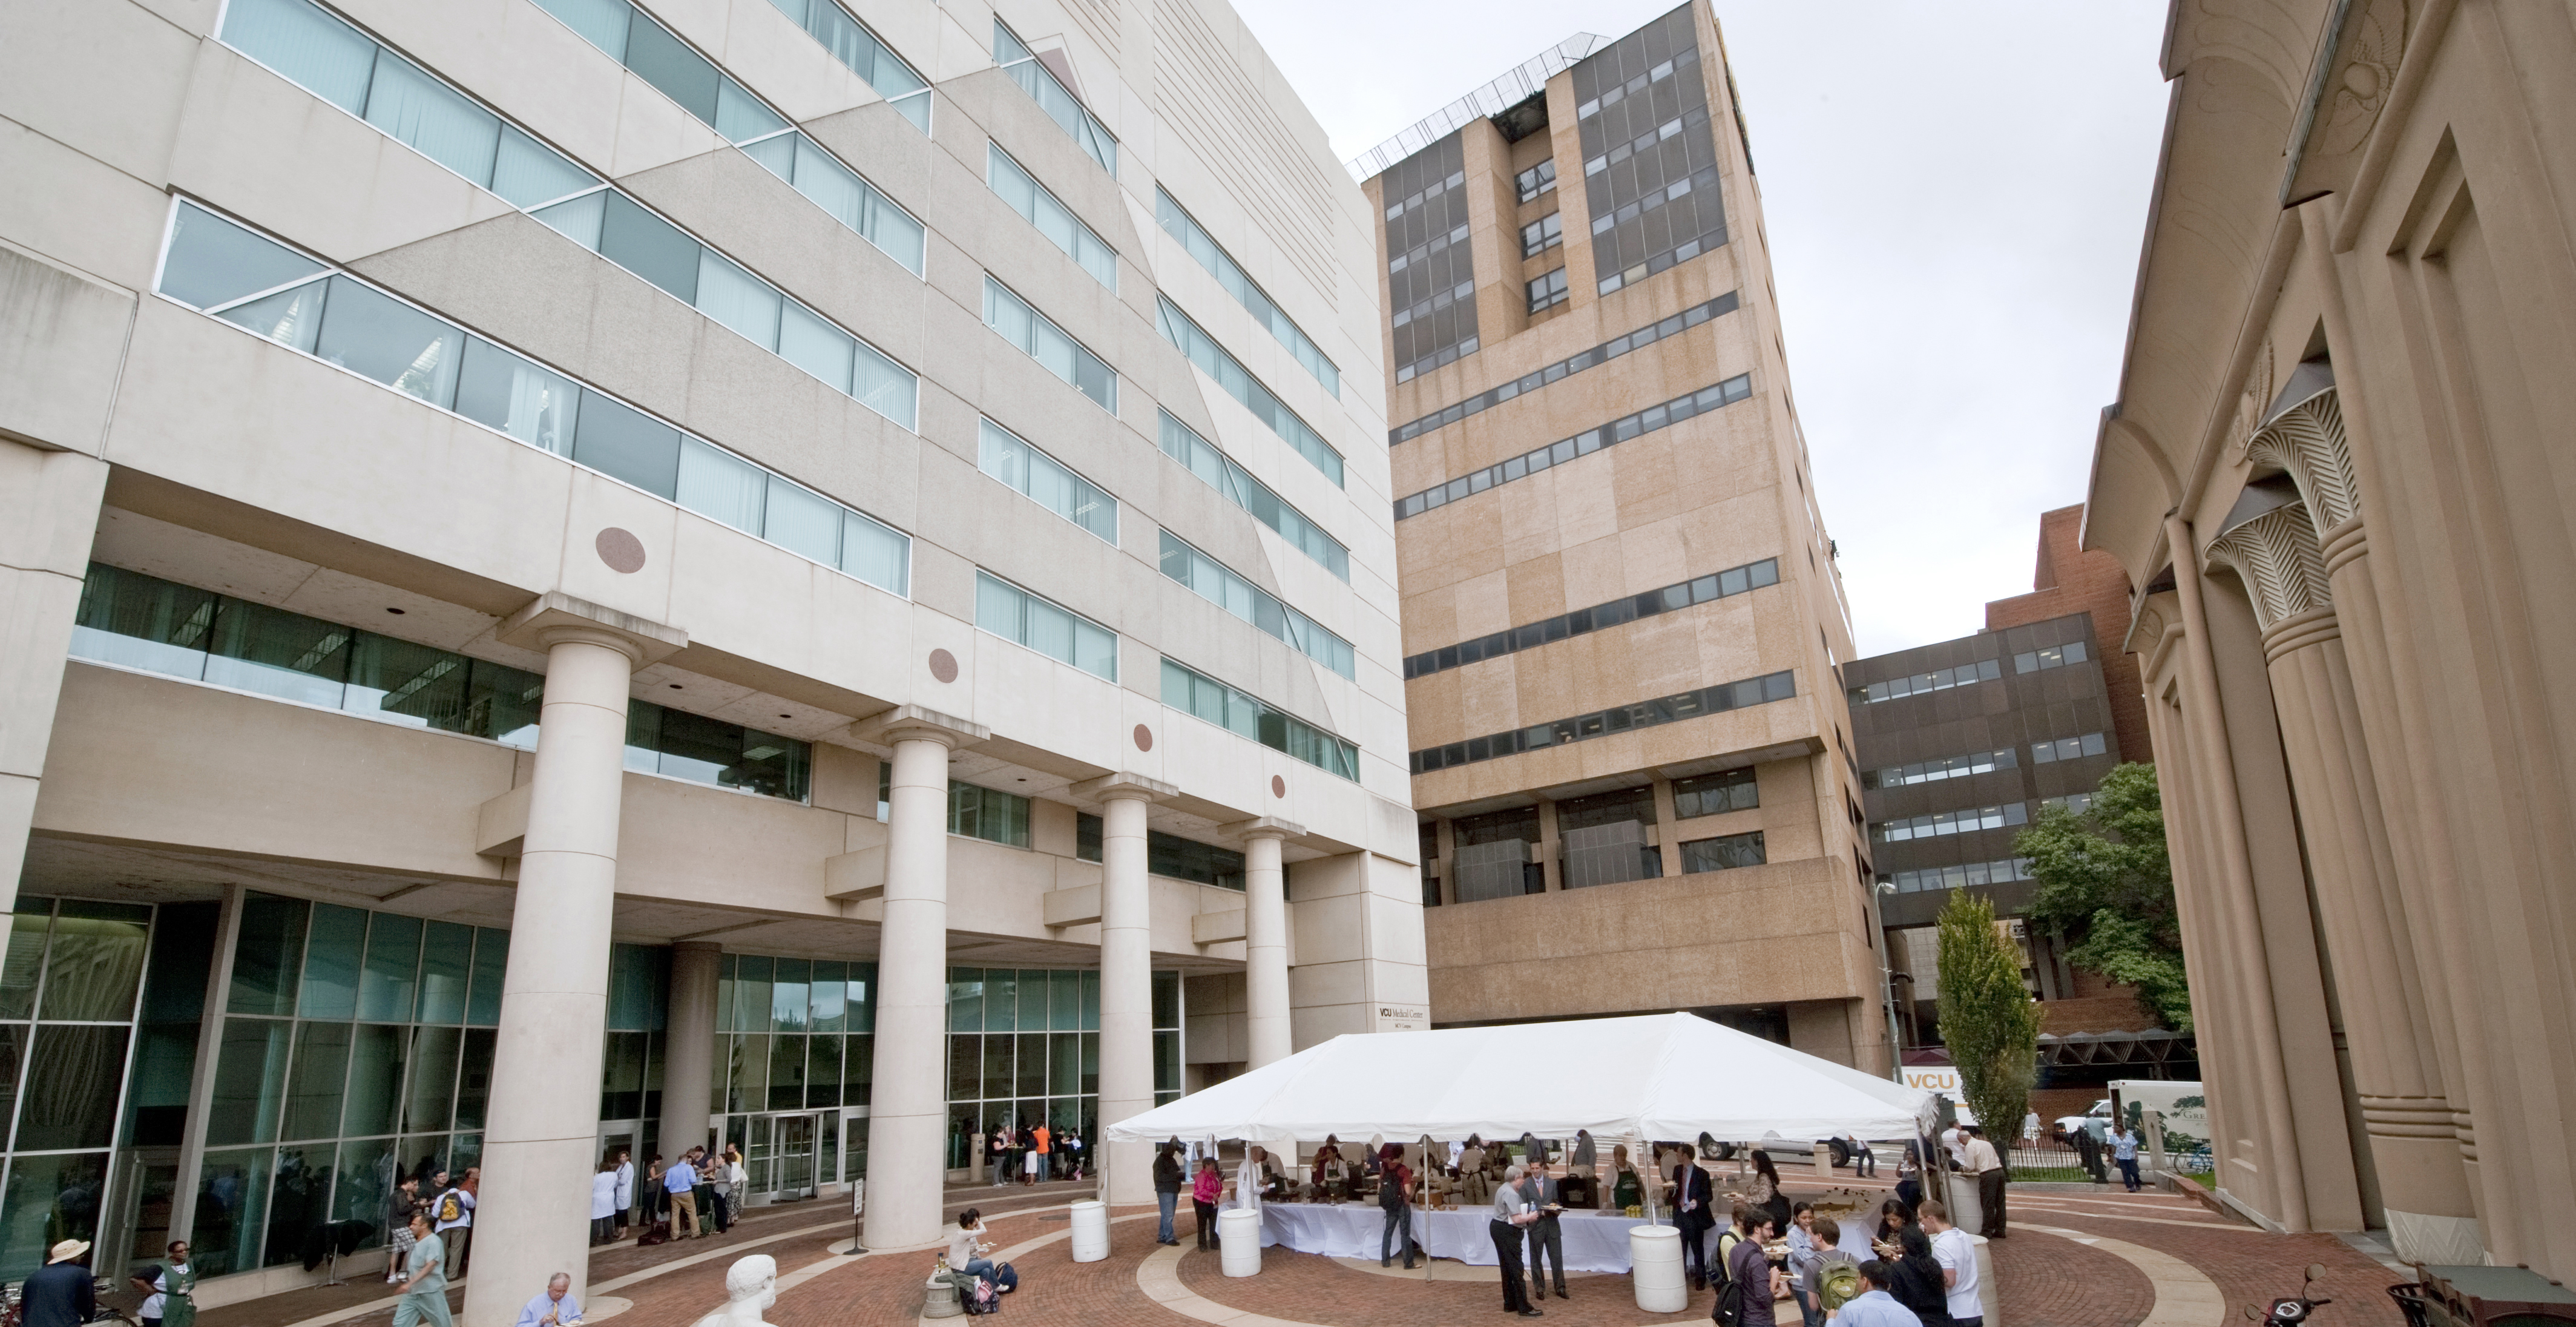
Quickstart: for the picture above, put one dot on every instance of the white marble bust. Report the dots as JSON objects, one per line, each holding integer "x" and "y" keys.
{"x": 751, "y": 1286}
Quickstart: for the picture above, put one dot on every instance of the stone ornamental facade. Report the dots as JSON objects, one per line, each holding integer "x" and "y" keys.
{"x": 2337, "y": 476}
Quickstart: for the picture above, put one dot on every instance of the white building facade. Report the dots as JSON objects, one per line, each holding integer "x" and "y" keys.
{"x": 826, "y": 564}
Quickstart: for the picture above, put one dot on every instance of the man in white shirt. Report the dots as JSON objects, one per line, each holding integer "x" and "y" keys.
{"x": 1954, "y": 1140}
{"x": 1957, "y": 1254}
{"x": 1982, "y": 1162}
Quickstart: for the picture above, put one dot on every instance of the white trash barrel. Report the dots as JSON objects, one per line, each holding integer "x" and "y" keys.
{"x": 1655, "y": 1265}
{"x": 1090, "y": 1231}
{"x": 1238, "y": 1230}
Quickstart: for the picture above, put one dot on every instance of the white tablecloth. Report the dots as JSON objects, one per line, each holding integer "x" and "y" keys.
{"x": 1593, "y": 1243}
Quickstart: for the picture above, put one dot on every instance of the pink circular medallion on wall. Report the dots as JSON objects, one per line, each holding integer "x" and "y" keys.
{"x": 621, "y": 550}
{"x": 1278, "y": 786}
{"x": 1144, "y": 738}
{"x": 943, "y": 665}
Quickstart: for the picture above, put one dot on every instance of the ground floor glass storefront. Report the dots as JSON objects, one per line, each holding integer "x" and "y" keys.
{"x": 794, "y": 1055}
{"x": 1024, "y": 1049}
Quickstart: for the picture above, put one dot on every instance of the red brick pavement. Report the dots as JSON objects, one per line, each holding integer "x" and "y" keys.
{"x": 2043, "y": 1280}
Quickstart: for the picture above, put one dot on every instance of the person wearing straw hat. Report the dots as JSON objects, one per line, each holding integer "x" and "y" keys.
{"x": 59, "y": 1294}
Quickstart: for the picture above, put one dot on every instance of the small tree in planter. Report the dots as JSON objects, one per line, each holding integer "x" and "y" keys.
{"x": 1988, "y": 1019}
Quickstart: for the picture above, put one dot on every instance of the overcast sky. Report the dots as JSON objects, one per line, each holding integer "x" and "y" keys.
{"x": 1955, "y": 195}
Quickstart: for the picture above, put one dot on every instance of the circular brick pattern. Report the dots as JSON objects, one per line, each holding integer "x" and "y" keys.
{"x": 621, "y": 550}
{"x": 1278, "y": 786}
{"x": 943, "y": 665}
{"x": 1144, "y": 738}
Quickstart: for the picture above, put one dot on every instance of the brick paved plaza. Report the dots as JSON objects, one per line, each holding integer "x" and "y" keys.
{"x": 2099, "y": 1259}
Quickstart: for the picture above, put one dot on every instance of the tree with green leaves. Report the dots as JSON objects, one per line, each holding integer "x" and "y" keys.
{"x": 1988, "y": 1019}
{"x": 2106, "y": 881}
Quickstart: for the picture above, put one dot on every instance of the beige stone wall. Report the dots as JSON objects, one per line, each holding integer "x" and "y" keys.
{"x": 1718, "y": 491}
{"x": 2394, "y": 638}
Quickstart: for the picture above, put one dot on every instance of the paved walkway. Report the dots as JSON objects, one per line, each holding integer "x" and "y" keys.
{"x": 2099, "y": 1259}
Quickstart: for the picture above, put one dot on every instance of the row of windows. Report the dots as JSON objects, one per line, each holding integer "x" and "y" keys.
{"x": 1709, "y": 239}
{"x": 1945, "y": 767}
{"x": 1427, "y": 192}
{"x": 1719, "y": 585}
{"x": 1540, "y": 235}
{"x": 1546, "y": 292}
{"x": 1952, "y": 877}
{"x": 1537, "y": 180}
{"x": 316, "y": 51}
{"x": 1213, "y": 581}
{"x": 1898, "y": 688}
{"x": 223, "y": 269}
{"x": 2052, "y": 656}
{"x": 858, "y": 49}
{"x": 1943, "y": 823}
{"x": 1724, "y": 853}
{"x": 1202, "y": 247}
{"x": 1054, "y": 98}
{"x": 2077, "y": 803}
{"x": 1716, "y": 794}
{"x": 1048, "y": 213}
{"x": 1462, "y": 293}
{"x": 1228, "y": 372}
{"x": 1713, "y": 397}
{"x": 1188, "y": 690}
{"x": 327, "y": 57}
{"x": 1201, "y": 458}
{"x": 1601, "y": 723}
{"x": 1447, "y": 354}
{"x": 2068, "y": 748}
{"x": 1046, "y": 481}
{"x": 758, "y": 993}
{"x": 1570, "y": 365}
{"x": 636, "y": 40}
{"x": 1051, "y": 346}
{"x": 1178, "y": 858}
{"x": 1057, "y": 632}
{"x": 143, "y": 622}
{"x": 626, "y": 233}
{"x": 1671, "y": 128}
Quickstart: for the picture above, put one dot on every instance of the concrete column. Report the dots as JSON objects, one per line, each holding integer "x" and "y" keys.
{"x": 908, "y": 1115}
{"x": 1126, "y": 989}
{"x": 539, "y": 1146}
{"x": 49, "y": 503}
{"x": 1265, "y": 947}
{"x": 688, "y": 1047}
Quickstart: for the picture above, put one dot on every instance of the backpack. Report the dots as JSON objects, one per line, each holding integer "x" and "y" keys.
{"x": 975, "y": 1294}
{"x": 1837, "y": 1283}
{"x": 1729, "y": 1308}
{"x": 450, "y": 1207}
{"x": 1006, "y": 1277}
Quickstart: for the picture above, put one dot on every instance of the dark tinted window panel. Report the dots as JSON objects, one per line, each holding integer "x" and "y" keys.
{"x": 1649, "y": 160}
{"x": 1431, "y": 281}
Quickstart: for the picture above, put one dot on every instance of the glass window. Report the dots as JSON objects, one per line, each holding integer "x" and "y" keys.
{"x": 850, "y": 42}
{"x": 95, "y": 966}
{"x": 1014, "y": 614}
{"x": 1217, "y": 583}
{"x": 390, "y": 342}
{"x": 334, "y": 952}
{"x": 59, "y": 1196}
{"x": 419, "y": 110}
{"x": 446, "y": 952}
{"x": 1716, "y": 794}
{"x": 1054, "y": 98}
{"x": 213, "y": 262}
{"x": 1004, "y": 456}
{"x": 75, "y": 1072}
{"x": 320, "y": 53}
{"x": 1050, "y": 216}
{"x": 1194, "y": 239}
{"x": 504, "y": 391}
{"x": 268, "y": 955}
{"x": 315, "y": 1089}
{"x": 1722, "y": 854}
{"x": 389, "y": 984}
{"x": 623, "y": 443}
{"x": 1217, "y": 363}
{"x": 1187, "y": 690}
{"x": 1201, "y": 458}
{"x": 1066, "y": 358}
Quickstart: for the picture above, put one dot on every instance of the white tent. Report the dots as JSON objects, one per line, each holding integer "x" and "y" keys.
{"x": 1661, "y": 1076}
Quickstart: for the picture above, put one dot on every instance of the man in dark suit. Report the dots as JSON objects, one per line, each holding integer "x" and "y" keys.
{"x": 1546, "y": 1236}
{"x": 1691, "y": 1215}
{"x": 60, "y": 1293}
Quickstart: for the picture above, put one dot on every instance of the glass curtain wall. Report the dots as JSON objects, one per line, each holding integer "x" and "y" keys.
{"x": 356, "y": 1050}
{"x": 795, "y": 1034}
{"x": 630, "y": 1069}
{"x": 1024, "y": 1048}
{"x": 67, "y": 1008}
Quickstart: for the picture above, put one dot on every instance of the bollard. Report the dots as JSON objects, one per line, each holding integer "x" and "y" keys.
{"x": 2155, "y": 1142}
{"x": 1824, "y": 1161}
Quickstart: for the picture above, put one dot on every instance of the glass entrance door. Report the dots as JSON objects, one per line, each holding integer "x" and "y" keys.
{"x": 782, "y": 1156}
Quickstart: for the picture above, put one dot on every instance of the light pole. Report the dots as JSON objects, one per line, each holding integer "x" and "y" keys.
{"x": 1887, "y": 995}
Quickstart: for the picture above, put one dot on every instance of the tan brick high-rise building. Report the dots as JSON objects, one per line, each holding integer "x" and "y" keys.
{"x": 1621, "y": 614}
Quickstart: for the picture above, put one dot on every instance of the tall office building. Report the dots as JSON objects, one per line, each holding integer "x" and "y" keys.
{"x": 821, "y": 567}
{"x": 1621, "y": 615}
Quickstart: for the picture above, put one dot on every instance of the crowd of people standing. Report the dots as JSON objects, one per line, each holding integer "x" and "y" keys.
{"x": 693, "y": 1195}
{"x": 1034, "y": 1153}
